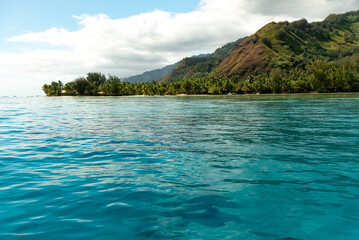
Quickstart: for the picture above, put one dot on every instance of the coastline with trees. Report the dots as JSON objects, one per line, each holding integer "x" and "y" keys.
{"x": 318, "y": 76}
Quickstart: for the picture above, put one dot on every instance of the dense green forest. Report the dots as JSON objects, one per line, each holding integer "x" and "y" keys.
{"x": 280, "y": 58}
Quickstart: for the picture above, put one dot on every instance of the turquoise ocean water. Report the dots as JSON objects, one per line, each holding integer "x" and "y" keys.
{"x": 240, "y": 167}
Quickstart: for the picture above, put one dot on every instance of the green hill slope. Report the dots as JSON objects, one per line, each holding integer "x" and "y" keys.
{"x": 152, "y": 75}
{"x": 200, "y": 66}
{"x": 292, "y": 45}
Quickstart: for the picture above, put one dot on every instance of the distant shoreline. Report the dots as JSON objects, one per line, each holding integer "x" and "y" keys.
{"x": 243, "y": 96}
{"x": 220, "y": 95}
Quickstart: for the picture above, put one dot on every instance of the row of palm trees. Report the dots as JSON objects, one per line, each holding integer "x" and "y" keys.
{"x": 319, "y": 75}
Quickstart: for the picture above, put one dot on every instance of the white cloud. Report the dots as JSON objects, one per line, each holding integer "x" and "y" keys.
{"x": 310, "y": 9}
{"x": 146, "y": 41}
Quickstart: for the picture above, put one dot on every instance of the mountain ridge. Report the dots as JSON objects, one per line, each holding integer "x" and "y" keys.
{"x": 286, "y": 45}
{"x": 281, "y": 45}
{"x": 196, "y": 66}
{"x": 152, "y": 75}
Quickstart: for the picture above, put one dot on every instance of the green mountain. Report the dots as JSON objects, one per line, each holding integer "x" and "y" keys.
{"x": 200, "y": 66}
{"x": 287, "y": 45}
{"x": 281, "y": 45}
{"x": 152, "y": 75}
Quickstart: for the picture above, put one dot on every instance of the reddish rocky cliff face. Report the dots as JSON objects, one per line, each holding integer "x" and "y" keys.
{"x": 251, "y": 56}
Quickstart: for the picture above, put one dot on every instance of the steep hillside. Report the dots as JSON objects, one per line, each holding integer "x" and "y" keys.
{"x": 200, "y": 66}
{"x": 152, "y": 75}
{"x": 291, "y": 45}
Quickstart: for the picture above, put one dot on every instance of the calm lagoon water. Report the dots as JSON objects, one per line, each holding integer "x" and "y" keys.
{"x": 240, "y": 167}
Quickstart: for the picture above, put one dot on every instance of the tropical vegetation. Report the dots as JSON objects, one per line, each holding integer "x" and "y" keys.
{"x": 319, "y": 76}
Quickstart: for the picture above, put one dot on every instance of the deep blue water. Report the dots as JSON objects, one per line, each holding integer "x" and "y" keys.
{"x": 249, "y": 167}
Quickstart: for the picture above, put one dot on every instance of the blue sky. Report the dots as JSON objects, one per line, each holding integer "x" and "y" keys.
{"x": 49, "y": 40}
{"x": 35, "y": 15}
{"x": 21, "y": 16}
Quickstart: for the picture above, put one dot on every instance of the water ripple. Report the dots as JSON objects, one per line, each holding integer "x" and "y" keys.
{"x": 247, "y": 167}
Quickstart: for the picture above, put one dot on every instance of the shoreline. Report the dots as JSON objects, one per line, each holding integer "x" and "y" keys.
{"x": 222, "y": 95}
